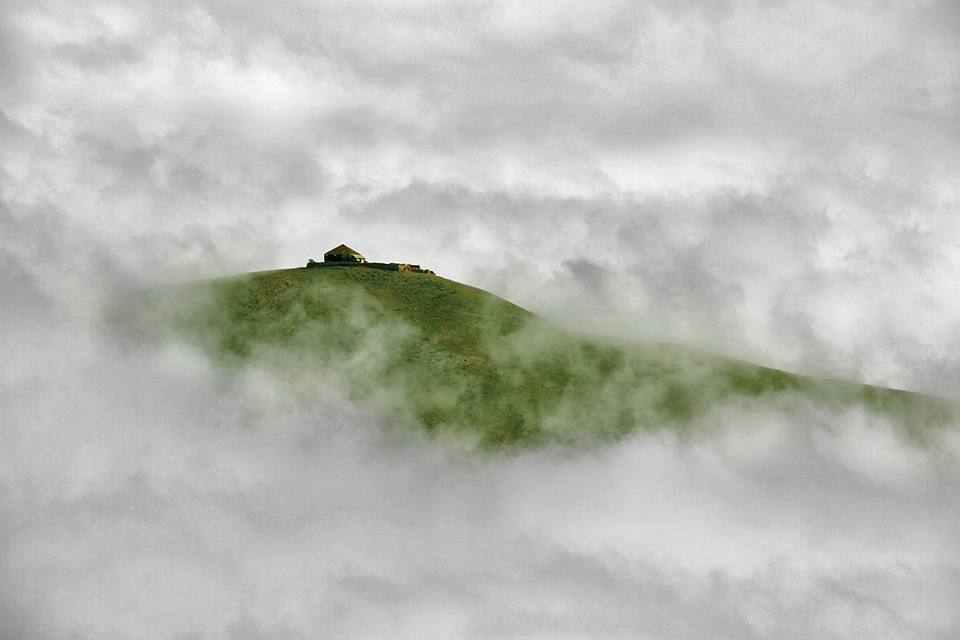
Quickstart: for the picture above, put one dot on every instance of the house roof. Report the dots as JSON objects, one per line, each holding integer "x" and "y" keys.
{"x": 343, "y": 250}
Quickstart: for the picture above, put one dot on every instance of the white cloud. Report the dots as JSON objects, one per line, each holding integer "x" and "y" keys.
{"x": 140, "y": 503}
{"x": 775, "y": 180}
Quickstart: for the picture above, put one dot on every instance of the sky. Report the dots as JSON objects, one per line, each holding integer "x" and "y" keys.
{"x": 775, "y": 181}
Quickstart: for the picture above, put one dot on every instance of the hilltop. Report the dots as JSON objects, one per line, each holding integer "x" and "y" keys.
{"x": 457, "y": 361}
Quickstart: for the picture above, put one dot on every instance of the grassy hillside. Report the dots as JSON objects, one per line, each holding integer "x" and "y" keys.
{"x": 459, "y": 362}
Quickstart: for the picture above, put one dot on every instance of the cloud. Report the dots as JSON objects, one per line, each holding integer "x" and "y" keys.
{"x": 140, "y": 502}
{"x": 776, "y": 181}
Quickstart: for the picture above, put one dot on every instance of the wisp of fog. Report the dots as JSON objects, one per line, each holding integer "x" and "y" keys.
{"x": 143, "y": 496}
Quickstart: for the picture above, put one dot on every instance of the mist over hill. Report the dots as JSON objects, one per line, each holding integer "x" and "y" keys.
{"x": 264, "y": 457}
{"x": 305, "y": 452}
{"x": 463, "y": 365}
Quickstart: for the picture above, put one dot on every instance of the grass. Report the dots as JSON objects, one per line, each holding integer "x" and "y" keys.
{"x": 456, "y": 361}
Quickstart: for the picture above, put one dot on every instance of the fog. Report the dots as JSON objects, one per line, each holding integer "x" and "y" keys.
{"x": 777, "y": 182}
{"x": 144, "y": 498}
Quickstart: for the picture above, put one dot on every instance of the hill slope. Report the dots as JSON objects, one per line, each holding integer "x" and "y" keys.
{"x": 460, "y": 362}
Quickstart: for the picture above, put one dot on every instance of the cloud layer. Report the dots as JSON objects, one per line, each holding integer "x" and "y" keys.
{"x": 773, "y": 180}
{"x": 139, "y": 501}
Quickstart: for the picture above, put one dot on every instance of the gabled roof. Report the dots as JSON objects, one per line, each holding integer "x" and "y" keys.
{"x": 342, "y": 250}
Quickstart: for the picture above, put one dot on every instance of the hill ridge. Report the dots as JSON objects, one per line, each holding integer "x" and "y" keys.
{"x": 456, "y": 361}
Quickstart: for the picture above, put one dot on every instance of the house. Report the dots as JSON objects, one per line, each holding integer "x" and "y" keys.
{"x": 347, "y": 257}
{"x": 343, "y": 253}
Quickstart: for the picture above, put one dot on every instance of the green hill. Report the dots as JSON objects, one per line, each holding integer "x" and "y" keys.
{"x": 459, "y": 362}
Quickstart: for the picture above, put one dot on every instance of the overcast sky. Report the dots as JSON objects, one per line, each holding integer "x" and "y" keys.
{"x": 779, "y": 181}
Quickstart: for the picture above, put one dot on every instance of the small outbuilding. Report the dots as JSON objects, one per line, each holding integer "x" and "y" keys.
{"x": 343, "y": 253}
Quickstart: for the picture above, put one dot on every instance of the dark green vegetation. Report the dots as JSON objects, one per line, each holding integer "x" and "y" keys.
{"x": 458, "y": 362}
